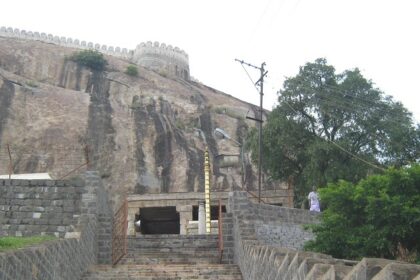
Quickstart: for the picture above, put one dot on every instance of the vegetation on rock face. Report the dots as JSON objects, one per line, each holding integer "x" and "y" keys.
{"x": 90, "y": 58}
{"x": 377, "y": 217}
{"x": 32, "y": 84}
{"x": 132, "y": 70}
{"x": 11, "y": 242}
{"x": 331, "y": 126}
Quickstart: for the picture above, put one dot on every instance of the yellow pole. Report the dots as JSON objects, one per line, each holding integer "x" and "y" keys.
{"x": 207, "y": 189}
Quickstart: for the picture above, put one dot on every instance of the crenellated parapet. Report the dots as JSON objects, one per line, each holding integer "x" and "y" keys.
{"x": 63, "y": 41}
{"x": 162, "y": 58}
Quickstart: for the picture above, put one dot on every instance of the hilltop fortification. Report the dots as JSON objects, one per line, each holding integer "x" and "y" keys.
{"x": 145, "y": 134}
{"x": 162, "y": 58}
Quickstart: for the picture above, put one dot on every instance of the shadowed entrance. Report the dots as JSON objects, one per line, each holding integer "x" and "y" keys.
{"x": 159, "y": 220}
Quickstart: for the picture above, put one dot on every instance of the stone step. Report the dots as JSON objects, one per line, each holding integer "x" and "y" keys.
{"x": 320, "y": 266}
{"x": 367, "y": 268}
{"x": 173, "y": 241}
{"x": 173, "y": 260}
{"x": 398, "y": 271}
{"x": 318, "y": 271}
{"x": 204, "y": 271}
{"x": 337, "y": 272}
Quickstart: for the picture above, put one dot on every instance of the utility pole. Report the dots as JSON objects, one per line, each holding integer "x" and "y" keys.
{"x": 258, "y": 119}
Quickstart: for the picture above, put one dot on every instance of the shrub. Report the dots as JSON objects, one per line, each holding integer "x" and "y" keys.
{"x": 90, "y": 58}
{"x": 378, "y": 217}
{"x": 31, "y": 84}
{"x": 132, "y": 70}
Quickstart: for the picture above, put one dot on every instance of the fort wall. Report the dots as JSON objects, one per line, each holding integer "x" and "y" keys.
{"x": 156, "y": 56}
{"x": 87, "y": 238}
{"x": 38, "y": 207}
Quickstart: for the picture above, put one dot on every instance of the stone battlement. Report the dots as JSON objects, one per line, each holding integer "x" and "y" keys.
{"x": 160, "y": 57}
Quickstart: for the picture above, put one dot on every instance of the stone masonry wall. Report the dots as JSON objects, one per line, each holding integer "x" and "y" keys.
{"x": 35, "y": 207}
{"x": 68, "y": 257}
{"x": 260, "y": 232}
{"x": 100, "y": 206}
{"x": 260, "y": 255}
{"x": 287, "y": 235}
{"x": 274, "y": 225}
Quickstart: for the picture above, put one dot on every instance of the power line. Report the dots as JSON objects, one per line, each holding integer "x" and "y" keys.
{"x": 253, "y": 83}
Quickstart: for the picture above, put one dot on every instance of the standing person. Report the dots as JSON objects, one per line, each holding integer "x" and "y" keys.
{"x": 314, "y": 200}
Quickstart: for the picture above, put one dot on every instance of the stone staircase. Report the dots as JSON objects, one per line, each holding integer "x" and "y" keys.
{"x": 169, "y": 257}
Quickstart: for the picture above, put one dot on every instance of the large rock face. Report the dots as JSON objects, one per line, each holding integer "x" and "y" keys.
{"x": 144, "y": 134}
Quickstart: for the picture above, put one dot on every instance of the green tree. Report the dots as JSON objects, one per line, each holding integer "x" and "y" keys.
{"x": 331, "y": 126}
{"x": 90, "y": 58}
{"x": 377, "y": 217}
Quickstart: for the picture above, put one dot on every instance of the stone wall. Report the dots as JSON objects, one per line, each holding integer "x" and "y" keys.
{"x": 37, "y": 207}
{"x": 267, "y": 246}
{"x": 63, "y": 41}
{"x": 160, "y": 57}
{"x": 273, "y": 224}
{"x": 156, "y": 56}
{"x": 287, "y": 235}
{"x": 68, "y": 257}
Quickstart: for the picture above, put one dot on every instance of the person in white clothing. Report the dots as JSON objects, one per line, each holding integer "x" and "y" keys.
{"x": 138, "y": 223}
{"x": 314, "y": 201}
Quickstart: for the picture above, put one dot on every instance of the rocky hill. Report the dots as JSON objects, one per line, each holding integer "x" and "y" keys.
{"x": 145, "y": 134}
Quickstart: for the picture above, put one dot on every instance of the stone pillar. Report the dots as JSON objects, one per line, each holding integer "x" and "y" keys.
{"x": 185, "y": 215}
{"x": 201, "y": 218}
{"x": 132, "y": 211}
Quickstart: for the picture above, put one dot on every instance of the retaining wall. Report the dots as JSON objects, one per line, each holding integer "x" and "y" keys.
{"x": 263, "y": 250}
{"x": 37, "y": 207}
{"x": 68, "y": 257}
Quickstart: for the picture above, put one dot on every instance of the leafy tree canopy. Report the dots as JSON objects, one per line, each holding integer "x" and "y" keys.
{"x": 377, "y": 217}
{"x": 90, "y": 58}
{"x": 331, "y": 126}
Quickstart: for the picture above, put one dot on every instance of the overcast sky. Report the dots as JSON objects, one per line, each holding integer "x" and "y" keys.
{"x": 380, "y": 37}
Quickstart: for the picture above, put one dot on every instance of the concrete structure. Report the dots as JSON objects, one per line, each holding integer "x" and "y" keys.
{"x": 162, "y": 58}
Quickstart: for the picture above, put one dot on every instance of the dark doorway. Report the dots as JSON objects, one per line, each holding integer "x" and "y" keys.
{"x": 159, "y": 220}
{"x": 214, "y": 212}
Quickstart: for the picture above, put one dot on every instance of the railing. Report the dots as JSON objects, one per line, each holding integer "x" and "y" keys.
{"x": 119, "y": 233}
{"x": 255, "y": 196}
{"x": 220, "y": 243}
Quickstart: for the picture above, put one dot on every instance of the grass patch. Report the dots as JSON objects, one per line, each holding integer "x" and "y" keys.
{"x": 11, "y": 242}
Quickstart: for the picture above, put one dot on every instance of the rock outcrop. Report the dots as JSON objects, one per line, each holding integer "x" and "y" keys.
{"x": 145, "y": 134}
